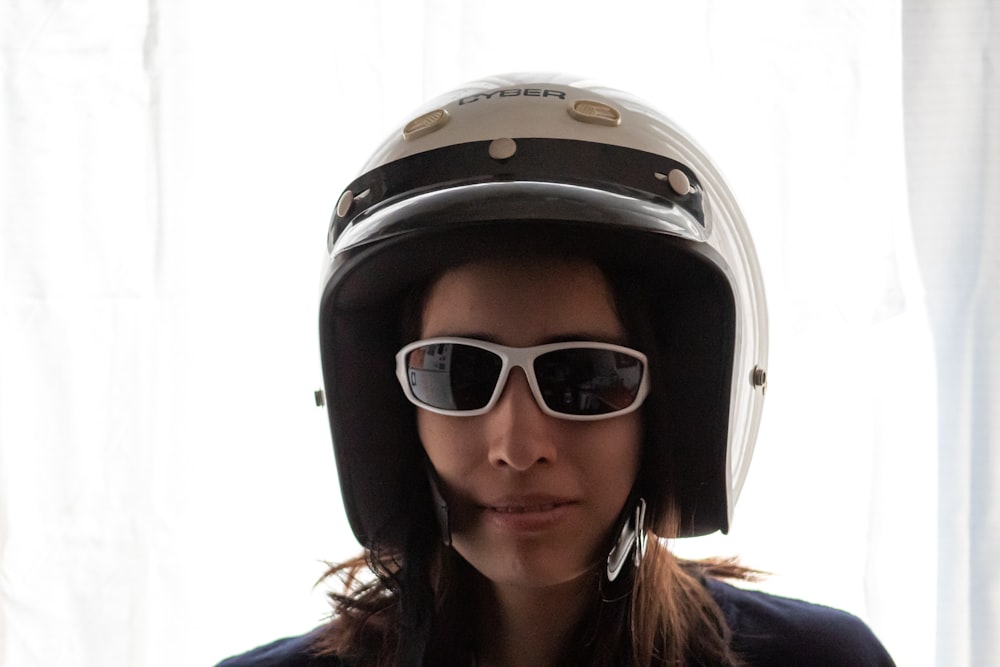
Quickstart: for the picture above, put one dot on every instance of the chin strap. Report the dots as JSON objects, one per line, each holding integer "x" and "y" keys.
{"x": 440, "y": 506}
{"x": 631, "y": 540}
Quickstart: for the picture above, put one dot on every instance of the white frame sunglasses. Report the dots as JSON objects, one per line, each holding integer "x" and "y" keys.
{"x": 524, "y": 358}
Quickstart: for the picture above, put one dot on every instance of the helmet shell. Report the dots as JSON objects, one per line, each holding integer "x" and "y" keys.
{"x": 537, "y": 161}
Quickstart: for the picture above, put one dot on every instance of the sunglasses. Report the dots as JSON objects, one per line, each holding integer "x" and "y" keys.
{"x": 579, "y": 380}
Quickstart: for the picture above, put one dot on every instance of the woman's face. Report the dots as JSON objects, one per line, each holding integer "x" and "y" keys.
{"x": 532, "y": 498}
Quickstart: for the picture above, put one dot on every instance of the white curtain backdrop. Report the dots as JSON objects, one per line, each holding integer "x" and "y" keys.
{"x": 167, "y": 170}
{"x": 952, "y": 105}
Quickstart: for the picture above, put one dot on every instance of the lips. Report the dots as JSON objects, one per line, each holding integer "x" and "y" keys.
{"x": 526, "y": 503}
{"x": 523, "y": 509}
{"x": 527, "y": 514}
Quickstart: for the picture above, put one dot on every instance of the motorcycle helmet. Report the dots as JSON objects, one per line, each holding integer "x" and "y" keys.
{"x": 528, "y": 160}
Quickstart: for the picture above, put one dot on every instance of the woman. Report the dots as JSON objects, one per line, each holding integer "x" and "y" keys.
{"x": 544, "y": 340}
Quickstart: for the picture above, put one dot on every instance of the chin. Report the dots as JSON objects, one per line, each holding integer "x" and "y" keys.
{"x": 526, "y": 566}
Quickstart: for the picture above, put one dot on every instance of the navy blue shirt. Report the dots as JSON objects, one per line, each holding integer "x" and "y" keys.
{"x": 771, "y": 630}
{"x": 766, "y": 630}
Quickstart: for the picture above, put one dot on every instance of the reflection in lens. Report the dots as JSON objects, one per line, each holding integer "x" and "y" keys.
{"x": 452, "y": 376}
{"x": 585, "y": 381}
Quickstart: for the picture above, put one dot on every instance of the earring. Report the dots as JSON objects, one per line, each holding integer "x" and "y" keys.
{"x": 440, "y": 507}
{"x": 631, "y": 540}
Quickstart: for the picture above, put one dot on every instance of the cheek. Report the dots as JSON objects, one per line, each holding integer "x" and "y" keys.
{"x": 618, "y": 441}
{"x": 612, "y": 469}
{"x": 451, "y": 452}
{"x": 620, "y": 460}
{"x": 442, "y": 438}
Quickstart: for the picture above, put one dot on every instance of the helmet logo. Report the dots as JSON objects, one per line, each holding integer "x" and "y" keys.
{"x": 514, "y": 92}
{"x": 598, "y": 113}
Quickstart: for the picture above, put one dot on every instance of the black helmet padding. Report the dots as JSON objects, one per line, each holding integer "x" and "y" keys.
{"x": 379, "y": 457}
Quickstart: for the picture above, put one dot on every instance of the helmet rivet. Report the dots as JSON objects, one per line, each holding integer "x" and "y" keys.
{"x": 425, "y": 124}
{"x": 758, "y": 378}
{"x": 501, "y": 149}
{"x": 679, "y": 181}
{"x": 598, "y": 113}
{"x": 345, "y": 203}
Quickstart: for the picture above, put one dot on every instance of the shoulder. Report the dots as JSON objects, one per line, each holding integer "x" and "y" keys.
{"x": 287, "y": 652}
{"x": 772, "y": 630}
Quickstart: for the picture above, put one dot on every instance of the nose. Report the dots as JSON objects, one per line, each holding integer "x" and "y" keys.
{"x": 519, "y": 434}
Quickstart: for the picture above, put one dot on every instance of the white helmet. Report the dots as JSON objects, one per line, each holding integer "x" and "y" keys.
{"x": 528, "y": 160}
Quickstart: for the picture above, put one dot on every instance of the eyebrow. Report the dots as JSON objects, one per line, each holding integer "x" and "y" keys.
{"x": 559, "y": 338}
{"x": 596, "y": 338}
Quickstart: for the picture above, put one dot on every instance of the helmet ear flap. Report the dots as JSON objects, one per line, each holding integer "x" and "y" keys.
{"x": 685, "y": 321}
{"x": 373, "y": 454}
{"x": 688, "y": 424}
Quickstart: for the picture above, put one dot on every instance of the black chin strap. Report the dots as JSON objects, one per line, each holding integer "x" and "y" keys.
{"x": 416, "y": 595}
{"x": 418, "y": 598}
{"x": 440, "y": 505}
{"x": 416, "y": 625}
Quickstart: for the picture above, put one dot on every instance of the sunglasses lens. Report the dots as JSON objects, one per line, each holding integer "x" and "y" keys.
{"x": 588, "y": 381}
{"x": 452, "y": 376}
